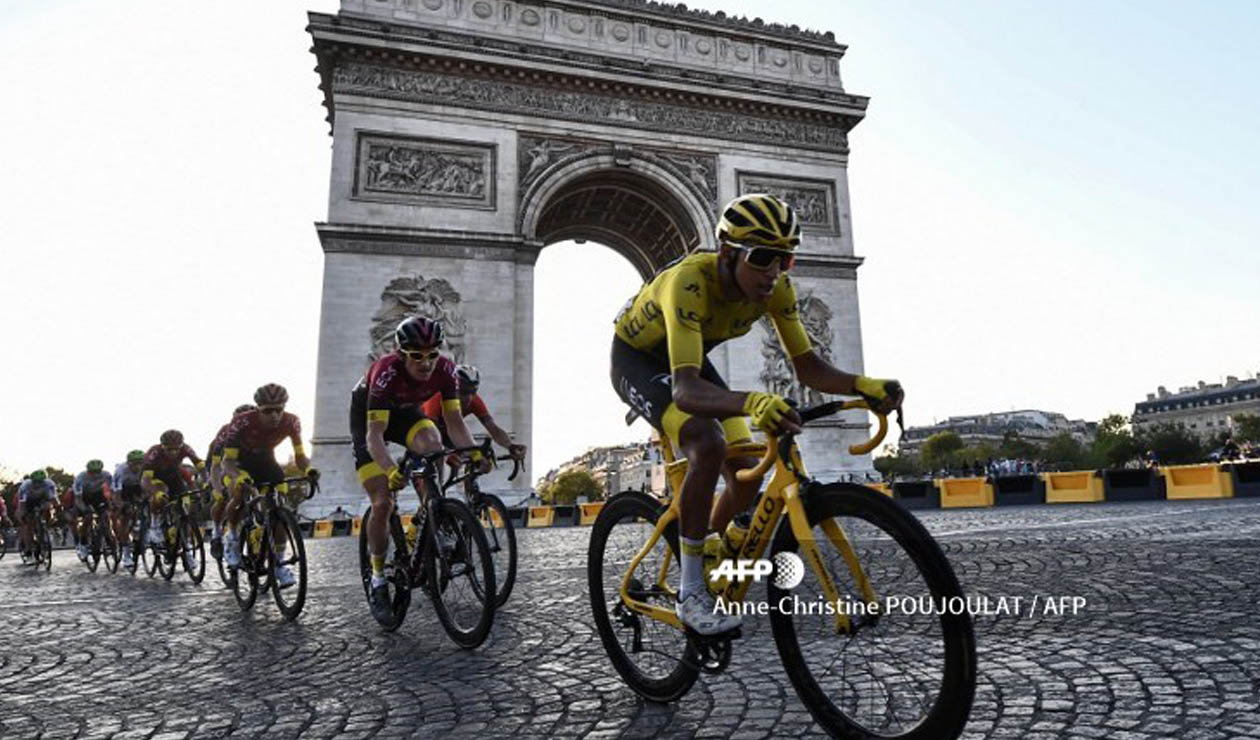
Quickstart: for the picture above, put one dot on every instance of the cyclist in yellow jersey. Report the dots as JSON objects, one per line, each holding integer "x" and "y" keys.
{"x": 660, "y": 369}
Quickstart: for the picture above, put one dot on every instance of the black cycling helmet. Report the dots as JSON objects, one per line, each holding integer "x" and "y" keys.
{"x": 469, "y": 378}
{"x": 271, "y": 395}
{"x": 419, "y": 332}
{"x": 172, "y": 438}
{"x": 243, "y": 408}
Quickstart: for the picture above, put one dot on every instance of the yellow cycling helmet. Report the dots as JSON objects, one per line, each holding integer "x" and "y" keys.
{"x": 760, "y": 219}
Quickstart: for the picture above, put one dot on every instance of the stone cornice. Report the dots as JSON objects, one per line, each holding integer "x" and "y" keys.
{"x": 400, "y": 44}
{"x": 395, "y": 240}
{"x": 844, "y": 268}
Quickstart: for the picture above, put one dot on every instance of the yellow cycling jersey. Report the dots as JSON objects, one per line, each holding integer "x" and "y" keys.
{"x": 683, "y": 307}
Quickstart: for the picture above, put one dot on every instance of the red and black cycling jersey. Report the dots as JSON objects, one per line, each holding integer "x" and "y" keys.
{"x": 249, "y": 432}
{"x": 474, "y": 406}
{"x": 158, "y": 460}
{"x": 387, "y": 386}
{"x": 216, "y": 444}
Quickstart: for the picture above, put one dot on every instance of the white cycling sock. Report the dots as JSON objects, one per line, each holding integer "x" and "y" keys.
{"x": 692, "y": 566}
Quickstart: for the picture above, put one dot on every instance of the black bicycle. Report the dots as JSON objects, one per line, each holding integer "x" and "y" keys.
{"x": 271, "y": 539}
{"x": 101, "y": 542}
{"x": 493, "y": 515}
{"x": 41, "y": 541}
{"x": 443, "y": 551}
{"x": 182, "y": 541}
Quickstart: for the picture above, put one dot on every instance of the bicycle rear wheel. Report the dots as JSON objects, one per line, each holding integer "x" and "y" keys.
{"x": 109, "y": 545}
{"x": 396, "y": 572}
{"x": 192, "y": 550}
{"x": 896, "y": 673}
{"x": 289, "y": 599}
{"x": 653, "y": 658}
{"x": 46, "y": 548}
{"x": 460, "y": 573}
{"x": 501, "y": 538}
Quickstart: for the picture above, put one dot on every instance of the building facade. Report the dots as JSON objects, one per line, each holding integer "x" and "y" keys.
{"x": 618, "y": 468}
{"x": 1030, "y": 424}
{"x": 1205, "y": 409}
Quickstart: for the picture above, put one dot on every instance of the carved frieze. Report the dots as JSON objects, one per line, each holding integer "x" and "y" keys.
{"x": 413, "y": 295}
{"x": 776, "y": 371}
{"x": 416, "y": 170}
{"x": 515, "y": 97}
{"x": 538, "y": 154}
{"x": 814, "y": 200}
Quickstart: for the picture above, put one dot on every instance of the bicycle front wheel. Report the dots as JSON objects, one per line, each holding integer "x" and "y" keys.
{"x": 501, "y": 538}
{"x": 192, "y": 550}
{"x": 290, "y": 553}
{"x": 245, "y": 578}
{"x": 460, "y": 573}
{"x": 652, "y": 657}
{"x": 897, "y": 672}
{"x": 109, "y": 546}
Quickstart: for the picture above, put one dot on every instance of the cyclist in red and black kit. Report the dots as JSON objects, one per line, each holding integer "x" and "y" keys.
{"x": 470, "y": 403}
{"x": 386, "y": 406}
{"x": 162, "y": 474}
{"x": 218, "y": 495}
{"x": 249, "y": 456}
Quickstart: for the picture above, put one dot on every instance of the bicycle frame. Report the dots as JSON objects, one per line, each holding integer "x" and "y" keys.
{"x": 781, "y": 496}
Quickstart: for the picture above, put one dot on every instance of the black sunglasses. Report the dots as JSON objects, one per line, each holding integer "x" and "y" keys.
{"x": 271, "y": 409}
{"x": 762, "y": 258}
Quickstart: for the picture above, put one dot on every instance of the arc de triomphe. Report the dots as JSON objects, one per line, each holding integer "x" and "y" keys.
{"x": 470, "y": 134}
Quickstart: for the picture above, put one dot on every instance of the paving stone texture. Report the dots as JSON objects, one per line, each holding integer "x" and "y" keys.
{"x": 1168, "y": 645}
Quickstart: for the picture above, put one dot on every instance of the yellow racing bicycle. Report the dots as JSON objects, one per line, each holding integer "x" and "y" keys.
{"x": 867, "y": 614}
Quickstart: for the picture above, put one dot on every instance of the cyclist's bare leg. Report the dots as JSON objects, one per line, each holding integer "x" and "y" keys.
{"x": 378, "y": 523}
{"x": 704, "y": 446}
{"x": 426, "y": 440}
{"x": 738, "y": 496}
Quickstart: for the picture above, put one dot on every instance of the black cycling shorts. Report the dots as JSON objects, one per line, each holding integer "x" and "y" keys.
{"x": 644, "y": 381}
{"x": 402, "y": 427}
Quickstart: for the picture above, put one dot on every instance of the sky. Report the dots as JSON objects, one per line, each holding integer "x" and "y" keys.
{"x": 1055, "y": 201}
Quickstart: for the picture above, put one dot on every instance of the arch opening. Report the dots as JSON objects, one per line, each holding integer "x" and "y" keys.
{"x": 626, "y": 211}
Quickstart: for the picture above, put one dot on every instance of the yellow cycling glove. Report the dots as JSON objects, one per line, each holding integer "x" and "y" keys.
{"x": 396, "y": 479}
{"x": 201, "y": 466}
{"x": 877, "y": 392}
{"x": 766, "y": 410}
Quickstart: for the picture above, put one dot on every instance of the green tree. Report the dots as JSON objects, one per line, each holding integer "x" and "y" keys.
{"x": 1173, "y": 445}
{"x": 940, "y": 450}
{"x": 1065, "y": 451}
{"x": 900, "y": 464}
{"x": 570, "y": 484}
{"x": 1113, "y": 444}
{"x": 1247, "y": 428}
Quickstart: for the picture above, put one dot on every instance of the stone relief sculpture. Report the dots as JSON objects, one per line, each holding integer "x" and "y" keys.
{"x": 414, "y": 296}
{"x": 410, "y": 170}
{"x": 537, "y": 155}
{"x": 776, "y": 373}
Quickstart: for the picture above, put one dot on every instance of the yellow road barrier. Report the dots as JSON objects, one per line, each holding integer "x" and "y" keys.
{"x": 883, "y": 488}
{"x": 1077, "y": 487}
{"x": 540, "y": 516}
{"x": 1197, "y": 481}
{"x": 355, "y": 526}
{"x": 965, "y": 492}
{"x": 589, "y": 512}
{"x": 323, "y": 528}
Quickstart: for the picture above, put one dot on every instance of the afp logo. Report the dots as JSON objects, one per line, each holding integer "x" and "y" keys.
{"x": 787, "y": 569}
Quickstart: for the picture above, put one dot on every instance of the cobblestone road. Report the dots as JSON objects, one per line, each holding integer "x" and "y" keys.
{"x": 1168, "y": 646}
